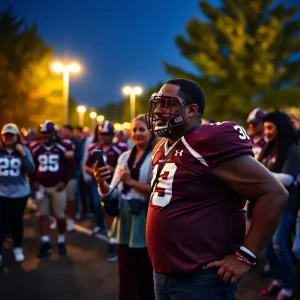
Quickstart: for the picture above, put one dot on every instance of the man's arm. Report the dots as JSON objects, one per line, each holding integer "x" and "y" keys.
{"x": 254, "y": 182}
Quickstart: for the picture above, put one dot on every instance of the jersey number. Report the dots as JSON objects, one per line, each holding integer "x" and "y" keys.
{"x": 243, "y": 134}
{"x": 162, "y": 192}
{"x": 10, "y": 167}
{"x": 48, "y": 163}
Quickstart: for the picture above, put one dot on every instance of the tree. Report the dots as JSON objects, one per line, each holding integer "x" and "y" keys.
{"x": 245, "y": 56}
{"x": 29, "y": 92}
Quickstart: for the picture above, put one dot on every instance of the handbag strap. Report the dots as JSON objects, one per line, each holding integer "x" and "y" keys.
{"x": 140, "y": 162}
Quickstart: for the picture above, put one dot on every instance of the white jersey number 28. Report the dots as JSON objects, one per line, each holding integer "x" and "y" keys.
{"x": 162, "y": 192}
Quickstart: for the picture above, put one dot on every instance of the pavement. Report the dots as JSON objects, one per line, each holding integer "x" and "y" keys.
{"x": 84, "y": 274}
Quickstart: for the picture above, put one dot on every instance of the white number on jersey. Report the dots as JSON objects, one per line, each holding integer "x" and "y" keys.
{"x": 243, "y": 134}
{"x": 10, "y": 167}
{"x": 48, "y": 162}
{"x": 162, "y": 192}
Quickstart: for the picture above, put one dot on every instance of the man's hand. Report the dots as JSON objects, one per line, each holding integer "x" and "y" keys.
{"x": 298, "y": 214}
{"x": 36, "y": 186}
{"x": 230, "y": 268}
{"x": 60, "y": 186}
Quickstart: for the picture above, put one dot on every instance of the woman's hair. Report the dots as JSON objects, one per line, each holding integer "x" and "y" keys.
{"x": 96, "y": 138}
{"x": 153, "y": 138}
{"x": 286, "y": 136}
{"x": 19, "y": 140}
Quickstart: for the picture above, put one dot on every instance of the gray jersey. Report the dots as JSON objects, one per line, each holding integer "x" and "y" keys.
{"x": 13, "y": 170}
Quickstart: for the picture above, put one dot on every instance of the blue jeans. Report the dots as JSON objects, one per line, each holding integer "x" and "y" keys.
{"x": 296, "y": 246}
{"x": 278, "y": 253}
{"x": 98, "y": 211}
{"x": 203, "y": 285}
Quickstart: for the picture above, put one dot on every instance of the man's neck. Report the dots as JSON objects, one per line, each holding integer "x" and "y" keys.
{"x": 173, "y": 139}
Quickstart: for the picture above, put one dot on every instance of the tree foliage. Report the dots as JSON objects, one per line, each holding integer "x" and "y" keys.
{"x": 245, "y": 56}
{"x": 29, "y": 92}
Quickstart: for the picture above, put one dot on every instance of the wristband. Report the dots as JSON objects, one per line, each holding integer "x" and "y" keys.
{"x": 244, "y": 260}
{"x": 242, "y": 248}
{"x": 245, "y": 257}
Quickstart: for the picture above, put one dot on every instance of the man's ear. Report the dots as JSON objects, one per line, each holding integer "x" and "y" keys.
{"x": 193, "y": 110}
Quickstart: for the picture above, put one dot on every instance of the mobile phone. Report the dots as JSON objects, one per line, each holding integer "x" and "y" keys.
{"x": 98, "y": 156}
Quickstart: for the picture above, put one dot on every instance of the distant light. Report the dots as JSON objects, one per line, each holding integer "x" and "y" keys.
{"x": 57, "y": 67}
{"x": 126, "y": 125}
{"x": 100, "y": 118}
{"x": 81, "y": 109}
{"x": 74, "y": 68}
{"x": 118, "y": 126}
{"x": 137, "y": 90}
{"x": 93, "y": 115}
{"x": 127, "y": 90}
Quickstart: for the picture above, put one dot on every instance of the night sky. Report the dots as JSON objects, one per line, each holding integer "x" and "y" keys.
{"x": 117, "y": 42}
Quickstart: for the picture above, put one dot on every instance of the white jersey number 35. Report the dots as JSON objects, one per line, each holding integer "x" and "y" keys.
{"x": 162, "y": 192}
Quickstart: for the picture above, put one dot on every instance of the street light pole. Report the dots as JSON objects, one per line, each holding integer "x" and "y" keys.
{"x": 81, "y": 110}
{"x": 66, "y": 77}
{"x": 132, "y": 105}
{"x": 132, "y": 91}
{"x": 58, "y": 67}
{"x": 93, "y": 116}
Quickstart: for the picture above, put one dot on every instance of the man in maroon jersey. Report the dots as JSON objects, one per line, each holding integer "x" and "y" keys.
{"x": 55, "y": 166}
{"x": 201, "y": 176}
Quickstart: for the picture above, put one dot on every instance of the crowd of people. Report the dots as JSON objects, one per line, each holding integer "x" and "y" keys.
{"x": 177, "y": 179}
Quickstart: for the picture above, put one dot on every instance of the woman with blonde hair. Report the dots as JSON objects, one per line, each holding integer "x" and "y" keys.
{"x": 134, "y": 170}
{"x": 15, "y": 163}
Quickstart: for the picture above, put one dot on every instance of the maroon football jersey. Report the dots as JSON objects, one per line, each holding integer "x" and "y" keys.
{"x": 110, "y": 154}
{"x": 54, "y": 163}
{"x": 194, "y": 217}
{"x": 69, "y": 144}
{"x": 258, "y": 144}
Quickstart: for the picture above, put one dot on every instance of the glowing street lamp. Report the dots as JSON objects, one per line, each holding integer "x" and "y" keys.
{"x": 81, "y": 110}
{"x": 100, "y": 118}
{"x": 59, "y": 67}
{"x": 93, "y": 116}
{"x": 132, "y": 91}
{"x": 118, "y": 126}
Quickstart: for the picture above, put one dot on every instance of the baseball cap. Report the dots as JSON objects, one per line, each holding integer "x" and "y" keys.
{"x": 106, "y": 127}
{"x": 10, "y": 128}
{"x": 256, "y": 116}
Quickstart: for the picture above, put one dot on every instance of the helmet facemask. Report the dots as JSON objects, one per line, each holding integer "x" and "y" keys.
{"x": 170, "y": 119}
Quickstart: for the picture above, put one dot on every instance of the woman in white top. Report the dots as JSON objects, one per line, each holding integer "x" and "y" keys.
{"x": 134, "y": 169}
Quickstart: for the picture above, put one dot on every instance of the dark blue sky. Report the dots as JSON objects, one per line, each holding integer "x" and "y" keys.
{"x": 118, "y": 42}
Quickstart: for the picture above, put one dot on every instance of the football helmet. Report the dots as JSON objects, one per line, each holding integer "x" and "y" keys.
{"x": 256, "y": 116}
{"x": 161, "y": 122}
{"x": 106, "y": 127}
{"x": 48, "y": 132}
